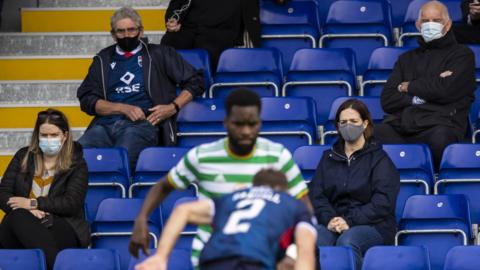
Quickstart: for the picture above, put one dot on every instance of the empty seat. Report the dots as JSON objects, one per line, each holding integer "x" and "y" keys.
{"x": 399, "y": 8}
{"x": 87, "y": 259}
{"x": 261, "y": 69}
{"x": 289, "y": 27}
{"x": 179, "y": 259}
{"x": 462, "y": 258}
{"x": 108, "y": 176}
{"x": 336, "y": 258}
{"x": 379, "y": 68}
{"x": 112, "y": 227}
{"x": 307, "y": 158}
{"x": 323, "y": 75}
{"x": 475, "y": 108}
{"x": 199, "y": 59}
{"x": 415, "y": 165}
{"x": 153, "y": 163}
{"x": 437, "y": 222}
{"x": 362, "y": 25}
{"x": 330, "y": 132}
{"x": 396, "y": 258}
{"x": 21, "y": 259}
{"x": 459, "y": 173}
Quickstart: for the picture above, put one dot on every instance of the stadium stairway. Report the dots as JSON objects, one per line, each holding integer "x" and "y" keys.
{"x": 44, "y": 64}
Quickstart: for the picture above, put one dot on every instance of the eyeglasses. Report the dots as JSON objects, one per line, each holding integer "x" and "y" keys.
{"x": 49, "y": 114}
{"x": 123, "y": 31}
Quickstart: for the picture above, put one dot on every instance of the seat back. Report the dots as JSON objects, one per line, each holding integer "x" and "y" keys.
{"x": 307, "y": 158}
{"x": 179, "y": 259}
{"x": 475, "y": 108}
{"x": 87, "y": 259}
{"x": 108, "y": 176}
{"x": 361, "y": 25}
{"x": 438, "y": 222}
{"x": 322, "y": 74}
{"x": 153, "y": 164}
{"x": 415, "y": 165}
{"x": 199, "y": 59}
{"x": 396, "y": 258}
{"x": 261, "y": 69}
{"x": 379, "y": 68}
{"x": 462, "y": 257}
{"x": 337, "y": 258}
{"x": 20, "y": 259}
{"x": 289, "y": 121}
{"x": 459, "y": 173}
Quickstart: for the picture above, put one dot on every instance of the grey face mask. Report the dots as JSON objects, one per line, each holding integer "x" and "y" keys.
{"x": 351, "y": 132}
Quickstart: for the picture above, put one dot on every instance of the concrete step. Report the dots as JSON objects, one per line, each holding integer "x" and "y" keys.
{"x": 73, "y": 43}
{"x": 25, "y": 115}
{"x": 84, "y": 19}
{"x": 101, "y": 3}
{"x": 54, "y": 67}
{"x": 40, "y": 93}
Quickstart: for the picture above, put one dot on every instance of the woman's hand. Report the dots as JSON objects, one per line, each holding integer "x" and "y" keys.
{"x": 338, "y": 225}
{"x": 19, "y": 202}
{"x": 38, "y": 213}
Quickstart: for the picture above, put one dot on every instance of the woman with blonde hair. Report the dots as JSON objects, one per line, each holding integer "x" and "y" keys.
{"x": 43, "y": 191}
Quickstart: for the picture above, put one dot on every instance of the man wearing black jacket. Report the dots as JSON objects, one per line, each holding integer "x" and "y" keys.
{"x": 130, "y": 88}
{"x": 469, "y": 32}
{"x": 428, "y": 95}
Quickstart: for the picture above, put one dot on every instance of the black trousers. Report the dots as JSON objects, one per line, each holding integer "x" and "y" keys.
{"x": 437, "y": 139}
{"x": 467, "y": 34}
{"x": 20, "y": 229}
{"x": 215, "y": 41}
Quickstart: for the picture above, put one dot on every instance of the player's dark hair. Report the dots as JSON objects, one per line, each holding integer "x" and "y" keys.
{"x": 272, "y": 178}
{"x": 242, "y": 97}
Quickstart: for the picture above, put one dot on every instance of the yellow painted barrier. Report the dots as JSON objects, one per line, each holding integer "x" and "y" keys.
{"x": 44, "y": 68}
{"x": 24, "y": 117}
{"x": 4, "y": 161}
{"x": 84, "y": 19}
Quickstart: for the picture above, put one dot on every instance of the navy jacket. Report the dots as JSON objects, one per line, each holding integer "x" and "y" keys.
{"x": 363, "y": 189}
{"x": 163, "y": 69}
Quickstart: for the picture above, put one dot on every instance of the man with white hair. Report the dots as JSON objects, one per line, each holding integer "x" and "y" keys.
{"x": 429, "y": 92}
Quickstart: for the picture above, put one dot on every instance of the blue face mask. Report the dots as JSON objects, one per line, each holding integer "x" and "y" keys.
{"x": 50, "y": 146}
{"x": 431, "y": 31}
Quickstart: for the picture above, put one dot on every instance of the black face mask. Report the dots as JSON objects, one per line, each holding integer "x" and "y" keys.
{"x": 128, "y": 44}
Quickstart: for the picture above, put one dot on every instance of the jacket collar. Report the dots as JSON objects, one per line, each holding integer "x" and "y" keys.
{"x": 339, "y": 149}
{"x": 446, "y": 41}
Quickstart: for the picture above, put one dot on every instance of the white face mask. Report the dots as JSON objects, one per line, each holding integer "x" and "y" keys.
{"x": 50, "y": 146}
{"x": 431, "y": 31}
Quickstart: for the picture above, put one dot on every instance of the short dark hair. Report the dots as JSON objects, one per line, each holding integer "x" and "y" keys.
{"x": 272, "y": 178}
{"x": 362, "y": 109}
{"x": 242, "y": 97}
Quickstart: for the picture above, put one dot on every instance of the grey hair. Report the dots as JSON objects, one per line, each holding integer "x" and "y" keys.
{"x": 445, "y": 14}
{"x": 123, "y": 13}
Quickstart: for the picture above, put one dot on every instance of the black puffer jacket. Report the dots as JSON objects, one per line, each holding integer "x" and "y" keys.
{"x": 448, "y": 99}
{"x": 66, "y": 197}
{"x": 362, "y": 189}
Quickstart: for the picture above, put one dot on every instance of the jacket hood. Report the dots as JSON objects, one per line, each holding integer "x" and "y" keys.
{"x": 446, "y": 41}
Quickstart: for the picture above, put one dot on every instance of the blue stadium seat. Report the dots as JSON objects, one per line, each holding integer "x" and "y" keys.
{"x": 307, "y": 158}
{"x": 199, "y": 59}
{"x": 410, "y": 32}
{"x": 437, "y": 222}
{"x": 414, "y": 163}
{"x": 322, "y": 74}
{"x": 291, "y": 121}
{"x": 179, "y": 259}
{"x": 260, "y": 69}
{"x": 289, "y": 27}
{"x": 459, "y": 173}
{"x": 463, "y": 258}
{"x": 113, "y": 226}
{"x": 396, "y": 258}
{"x": 379, "y": 68}
{"x": 153, "y": 164}
{"x": 175, "y": 197}
{"x": 336, "y": 258}
{"x": 362, "y": 25}
{"x": 475, "y": 108}
{"x": 87, "y": 259}
{"x": 21, "y": 259}
{"x": 108, "y": 176}
{"x": 399, "y": 8}
{"x": 329, "y": 132}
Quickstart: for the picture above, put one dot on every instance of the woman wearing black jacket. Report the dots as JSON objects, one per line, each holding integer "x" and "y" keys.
{"x": 355, "y": 186}
{"x": 43, "y": 191}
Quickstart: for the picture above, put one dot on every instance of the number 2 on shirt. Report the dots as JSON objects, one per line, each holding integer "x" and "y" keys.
{"x": 238, "y": 220}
